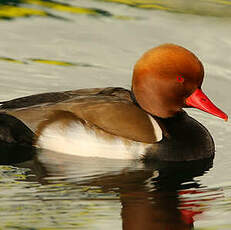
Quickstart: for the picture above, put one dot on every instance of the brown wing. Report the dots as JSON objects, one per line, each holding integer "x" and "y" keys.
{"x": 110, "y": 110}
{"x": 54, "y": 97}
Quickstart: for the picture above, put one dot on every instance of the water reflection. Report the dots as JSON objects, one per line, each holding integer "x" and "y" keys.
{"x": 157, "y": 195}
{"x": 218, "y": 8}
{"x": 155, "y": 210}
{"x": 152, "y": 195}
{"x": 11, "y": 9}
{"x": 47, "y": 62}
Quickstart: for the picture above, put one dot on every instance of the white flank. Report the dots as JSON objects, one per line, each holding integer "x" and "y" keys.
{"x": 157, "y": 130}
{"x": 78, "y": 140}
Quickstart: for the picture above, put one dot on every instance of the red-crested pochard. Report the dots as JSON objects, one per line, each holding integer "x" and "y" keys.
{"x": 146, "y": 123}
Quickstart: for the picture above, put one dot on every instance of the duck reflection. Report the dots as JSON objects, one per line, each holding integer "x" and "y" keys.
{"x": 158, "y": 208}
{"x": 151, "y": 194}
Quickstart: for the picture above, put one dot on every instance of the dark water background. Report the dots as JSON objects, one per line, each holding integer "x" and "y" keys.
{"x": 59, "y": 45}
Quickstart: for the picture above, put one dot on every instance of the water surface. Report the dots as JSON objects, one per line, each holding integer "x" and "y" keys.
{"x": 61, "y": 45}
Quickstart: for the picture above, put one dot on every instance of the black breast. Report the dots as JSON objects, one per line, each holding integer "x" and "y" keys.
{"x": 185, "y": 139}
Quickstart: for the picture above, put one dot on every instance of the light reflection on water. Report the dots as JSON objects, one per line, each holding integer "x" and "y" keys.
{"x": 86, "y": 192}
{"x": 59, "y": 45}
{"x": 35, "y": 206}
{"x": 74, "y": 192}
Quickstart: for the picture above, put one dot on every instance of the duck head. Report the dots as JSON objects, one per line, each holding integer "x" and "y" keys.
{"x": 168, "y": 78}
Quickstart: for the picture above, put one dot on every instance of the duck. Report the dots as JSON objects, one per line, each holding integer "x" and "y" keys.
{"x": 146, "y": 123}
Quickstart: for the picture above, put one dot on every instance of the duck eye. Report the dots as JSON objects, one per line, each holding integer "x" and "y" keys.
{"x": 180, "y": 79}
